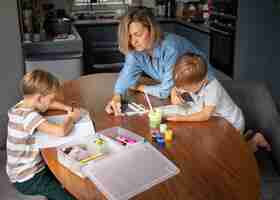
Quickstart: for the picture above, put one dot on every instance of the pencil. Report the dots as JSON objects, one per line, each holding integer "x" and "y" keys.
{"x": 148, "y": 101}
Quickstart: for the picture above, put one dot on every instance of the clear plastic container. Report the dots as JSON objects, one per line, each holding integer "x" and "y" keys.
{"x": 100, "y": 146}
{"x": 118, "y": 134}
{"x": 95, "y": 152}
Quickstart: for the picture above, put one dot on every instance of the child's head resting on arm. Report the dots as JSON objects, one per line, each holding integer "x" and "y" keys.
{"x": 190, "y": 74}
{"x": 39, "y": 88}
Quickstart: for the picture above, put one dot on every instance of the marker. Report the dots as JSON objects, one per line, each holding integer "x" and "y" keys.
{"x": 91, "y": 158}
{"x": 126, "y": 140}
{"x": 132, "y": 107}
{"x": 168, "y": 135}
{"x": 148, "y": 101}
{"x": 141, "y": 108}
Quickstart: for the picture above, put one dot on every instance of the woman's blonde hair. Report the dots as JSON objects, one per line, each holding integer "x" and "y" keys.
{"x": 39, "y": 82}
{"x": 190, "y": 68}
{"x": 146, "y": 18}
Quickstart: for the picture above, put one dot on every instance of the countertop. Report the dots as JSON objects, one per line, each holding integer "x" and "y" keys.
{"x": 72, "y": 45}
{"x": 204, "y": 28}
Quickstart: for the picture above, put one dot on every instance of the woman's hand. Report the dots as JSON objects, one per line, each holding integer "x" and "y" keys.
{"x": 175, "y": 99}
{"x": 114, "y": 106}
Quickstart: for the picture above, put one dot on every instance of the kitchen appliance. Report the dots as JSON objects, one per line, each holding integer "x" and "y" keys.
{"x": 63, "y": 57}
{"x": 57, "y": 24}
{"x": 222, "y": 23}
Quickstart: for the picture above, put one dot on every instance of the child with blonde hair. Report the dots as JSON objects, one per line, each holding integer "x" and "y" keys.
{"x": 25, "y": 166}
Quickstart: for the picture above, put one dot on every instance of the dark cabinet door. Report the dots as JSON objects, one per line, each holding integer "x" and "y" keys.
{"x": 199, "y": 39}
{"x": 101, "y": 52}
{"x": 222, "y": 51}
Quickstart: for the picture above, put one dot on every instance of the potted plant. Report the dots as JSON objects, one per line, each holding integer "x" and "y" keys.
{"x": 36, "y": 27}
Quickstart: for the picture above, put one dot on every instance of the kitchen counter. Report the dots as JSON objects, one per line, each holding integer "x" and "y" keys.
{"x": 62, "y": 57}
{"x": 201, "y": 27}
{"x": 73, "y": 44}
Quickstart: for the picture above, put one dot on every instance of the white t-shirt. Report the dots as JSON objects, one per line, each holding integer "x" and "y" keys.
{"x": 213, "y": 94}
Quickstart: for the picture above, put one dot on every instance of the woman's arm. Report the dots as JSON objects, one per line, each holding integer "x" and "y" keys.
{"x": 203, "y": 115}
{"x": 129, "y": 74}
{"x": 127, "y": 78}
{"x": 163, "y": 89}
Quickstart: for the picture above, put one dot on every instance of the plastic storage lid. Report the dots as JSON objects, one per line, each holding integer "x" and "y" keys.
{"x": 126, "y": 174}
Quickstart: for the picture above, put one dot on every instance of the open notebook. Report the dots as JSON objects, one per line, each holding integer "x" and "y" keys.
{"x": 171, "y": 110}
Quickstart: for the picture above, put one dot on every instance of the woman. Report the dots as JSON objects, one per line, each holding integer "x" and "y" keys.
{"x": 150, "y": 51}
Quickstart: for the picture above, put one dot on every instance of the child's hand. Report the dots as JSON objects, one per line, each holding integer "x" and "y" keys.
{"x": 76, "y": 114}
{"x": 175, "y": 99}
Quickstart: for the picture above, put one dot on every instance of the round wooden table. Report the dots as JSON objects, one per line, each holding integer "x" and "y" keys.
{"x": 214, "y": 161}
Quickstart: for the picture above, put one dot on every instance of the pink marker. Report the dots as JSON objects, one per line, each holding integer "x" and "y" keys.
{"x": 125, "y": 140}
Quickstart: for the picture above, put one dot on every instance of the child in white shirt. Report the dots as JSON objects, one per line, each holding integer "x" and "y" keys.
{"x": 206, "y": 97}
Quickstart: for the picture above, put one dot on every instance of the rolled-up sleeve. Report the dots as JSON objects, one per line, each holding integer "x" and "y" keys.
{"x": 163, "y": 89}
{"x": 129, "y": 74}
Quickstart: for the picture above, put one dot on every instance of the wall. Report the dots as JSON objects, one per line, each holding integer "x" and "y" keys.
{"x": 258, "y": 42}
{"x": 60, "y": 4}
{"x": 11, "y": 62}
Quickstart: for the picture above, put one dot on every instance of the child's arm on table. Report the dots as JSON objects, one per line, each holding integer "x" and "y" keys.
{"x": 203, "y": 115}
{"x": 61, "y": 129}
{"x": 56, "y": 105}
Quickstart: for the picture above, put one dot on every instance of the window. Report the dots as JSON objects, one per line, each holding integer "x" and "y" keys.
{"x": 100, "y": 7}
{"x": 96, "y": 2}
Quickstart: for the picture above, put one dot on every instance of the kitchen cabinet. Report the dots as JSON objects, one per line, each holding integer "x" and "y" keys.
{"x": 61, "y": 57}
{"x": 100, "y": 47}
{"x": 199, "y": 39}
{"x": 167, "y": 27}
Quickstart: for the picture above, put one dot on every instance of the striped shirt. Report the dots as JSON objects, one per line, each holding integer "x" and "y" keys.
{"x": 23, "y": 160}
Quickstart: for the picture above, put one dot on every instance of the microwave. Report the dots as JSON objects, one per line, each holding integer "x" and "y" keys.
{"x": 225, "y": 7}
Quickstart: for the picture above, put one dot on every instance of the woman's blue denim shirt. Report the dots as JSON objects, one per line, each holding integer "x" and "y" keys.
{"x": 159, "y": 67}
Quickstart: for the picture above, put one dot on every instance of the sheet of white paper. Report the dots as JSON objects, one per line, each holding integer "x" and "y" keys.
{"x": 82, "y": 128}
{"x": 171, "y": 110}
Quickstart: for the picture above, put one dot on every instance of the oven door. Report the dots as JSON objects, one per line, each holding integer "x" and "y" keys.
{"x": 222, "y": 50}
